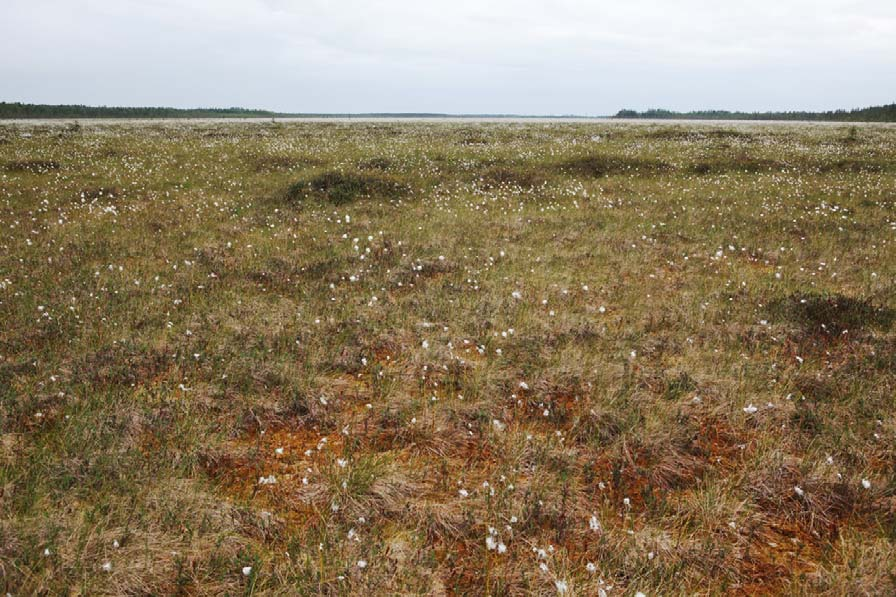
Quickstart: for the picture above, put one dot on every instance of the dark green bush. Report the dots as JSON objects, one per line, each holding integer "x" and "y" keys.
{"x": 342, "y": 188}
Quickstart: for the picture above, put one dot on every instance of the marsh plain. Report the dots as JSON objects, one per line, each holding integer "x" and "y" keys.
{"x": 456, "y": 358}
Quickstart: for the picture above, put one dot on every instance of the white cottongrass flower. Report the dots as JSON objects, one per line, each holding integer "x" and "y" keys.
{"x": 750, "y": 409}
{"x": 798, "y": 490}
{"x": 107, "y": 566}
{"x": 594, "y": 524}
{"x": 490, "y": 543}
{"x": 562, "y": 586}
{"x": 362, "y": 564}
{"x": 516, "y": 294}
{"x": 247, "y": 570}
{"x": 502, "y": 548}
{"x": 463, "y": 493}
{"x": 866, "y": 483}
{"x": 590, "y": 567}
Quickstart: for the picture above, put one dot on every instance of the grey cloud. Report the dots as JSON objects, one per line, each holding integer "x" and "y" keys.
{"x": 452, "y": 56}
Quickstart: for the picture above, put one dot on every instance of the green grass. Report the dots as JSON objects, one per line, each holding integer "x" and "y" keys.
{"x": 296, "y": 347}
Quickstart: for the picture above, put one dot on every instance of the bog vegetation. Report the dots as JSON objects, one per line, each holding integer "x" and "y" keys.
{"x": 449, "y": 359}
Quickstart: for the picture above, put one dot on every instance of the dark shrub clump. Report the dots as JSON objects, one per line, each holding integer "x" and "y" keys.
{"x": 339, "y": 188}
{"x": 34, "y": 166}
{"x": 596, "y": 166}
{"x": 501, "y": 176}
{"x": 831, "y": 314}
{"x": 736, "y": 163}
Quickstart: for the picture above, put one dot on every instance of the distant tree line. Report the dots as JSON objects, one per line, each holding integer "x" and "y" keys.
{"x": 19, "y": 110}
{"x": 873, "y": 114}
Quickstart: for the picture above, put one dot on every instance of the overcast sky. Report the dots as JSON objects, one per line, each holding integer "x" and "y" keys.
{"x": 457, "y": 56}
